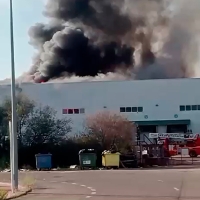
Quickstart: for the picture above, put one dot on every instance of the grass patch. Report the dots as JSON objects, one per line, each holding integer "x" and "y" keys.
{"x": 28, "y": 181}
{"x": 3, "y": 194}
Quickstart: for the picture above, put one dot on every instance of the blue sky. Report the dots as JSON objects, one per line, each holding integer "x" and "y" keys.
{"x": 26, "y": 13}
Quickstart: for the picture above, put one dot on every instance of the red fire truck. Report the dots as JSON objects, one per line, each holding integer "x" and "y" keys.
{"x": 192, "y": 143}
{"x": 173, "y": 142}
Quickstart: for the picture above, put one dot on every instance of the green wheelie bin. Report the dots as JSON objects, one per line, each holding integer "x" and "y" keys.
{"x": 87, "y": 158}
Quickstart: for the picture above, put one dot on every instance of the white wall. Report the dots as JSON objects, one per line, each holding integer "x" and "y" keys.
{"x": 93, "y": 96}
{"x": 161, "y": 129}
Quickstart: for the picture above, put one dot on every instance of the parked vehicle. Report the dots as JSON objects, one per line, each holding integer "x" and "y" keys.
{"x": 193, "y": 145}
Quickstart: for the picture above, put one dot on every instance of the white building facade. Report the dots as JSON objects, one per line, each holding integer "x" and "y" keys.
{"x": 157, "y": 106}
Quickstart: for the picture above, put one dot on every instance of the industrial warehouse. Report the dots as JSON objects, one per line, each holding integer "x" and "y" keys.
{"x": 156, "y": 106}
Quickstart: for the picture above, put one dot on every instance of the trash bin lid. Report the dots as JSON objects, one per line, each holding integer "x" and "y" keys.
{"x": 40, "y": 154}
{"x": 109, "y": 152}
{"x": 86, "y": 151}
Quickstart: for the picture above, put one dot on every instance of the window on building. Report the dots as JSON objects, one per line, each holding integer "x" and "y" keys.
{"x": 134, "y": 109}
{"x": 194, "y": 107}
{"x": 188, "y": 108}
{"x": 64, "y": 111}
{"x": 182, "y": 128}
{"x": 140, "y": 109}
{"x": 76, "y": 111}
{"x": 148, "y": 128}
{"x": 70, "y": 111}
{"x": 182, "y": 108}
{"x": 122, "y": 109}
{"x": 128, "y": 109}
{"x": 82, "y": 110}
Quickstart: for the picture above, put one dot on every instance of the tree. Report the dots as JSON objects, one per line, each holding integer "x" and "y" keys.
{"x": 4, "y": 139}
{"x": 3, "y": 128}
{"x": 43, "y": 127}
{"x": 24, "y": 107}
{"x": 110, "y": 129}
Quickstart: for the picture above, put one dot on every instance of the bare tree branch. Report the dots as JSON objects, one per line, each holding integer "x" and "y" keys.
{"x": 111, "y": 129}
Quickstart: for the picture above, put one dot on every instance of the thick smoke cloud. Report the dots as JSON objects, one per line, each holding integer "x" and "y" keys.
{"x": 87, "y": 39}
{"x": 71, "y": 52}
{"x": 102, "y": 15}
{"x": 140, "y": 39}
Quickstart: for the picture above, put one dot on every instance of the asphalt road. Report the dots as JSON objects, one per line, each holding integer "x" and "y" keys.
{"x": 164, "y": 184}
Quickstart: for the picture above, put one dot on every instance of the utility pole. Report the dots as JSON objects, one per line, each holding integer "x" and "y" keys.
{"x": 11, "y": 156}
{"x": 13, "y": 136}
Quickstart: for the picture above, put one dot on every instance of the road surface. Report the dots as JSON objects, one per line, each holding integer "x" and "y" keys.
{"x": 163, "y": 184}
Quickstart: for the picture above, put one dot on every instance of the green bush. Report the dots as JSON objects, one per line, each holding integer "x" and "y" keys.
{"x": 4, "y": 163}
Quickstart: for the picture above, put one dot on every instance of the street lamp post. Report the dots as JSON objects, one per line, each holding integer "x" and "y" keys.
{"x": 13, "y": 138}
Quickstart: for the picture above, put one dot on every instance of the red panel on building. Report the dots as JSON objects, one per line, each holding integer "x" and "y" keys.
{"x": 73, "y": 111}
{"x": 65, "y": 111}
{"x": 70, "y": 111}
{"x": 76, "y": 111}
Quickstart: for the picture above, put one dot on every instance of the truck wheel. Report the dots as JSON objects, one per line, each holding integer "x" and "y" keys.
{"x": 193, "y": 154}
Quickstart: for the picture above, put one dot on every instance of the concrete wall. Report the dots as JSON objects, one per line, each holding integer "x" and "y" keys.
{"x": 160, "y": 99}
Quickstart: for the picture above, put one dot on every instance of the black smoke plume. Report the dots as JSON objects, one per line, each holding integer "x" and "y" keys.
{"x": 115, "y": 39}
{"x": 86, "y": 38}
{"x": 83, "y": 38}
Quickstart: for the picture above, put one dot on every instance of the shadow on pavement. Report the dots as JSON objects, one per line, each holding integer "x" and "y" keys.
{"x": 164, "y": 168}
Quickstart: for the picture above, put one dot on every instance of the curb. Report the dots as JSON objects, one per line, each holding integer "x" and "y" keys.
{"x": 22, "y": 191}
{"x": 14, "y": 196}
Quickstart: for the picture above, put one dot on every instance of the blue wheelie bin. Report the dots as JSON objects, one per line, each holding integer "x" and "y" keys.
{"x": 43, "y": 161}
